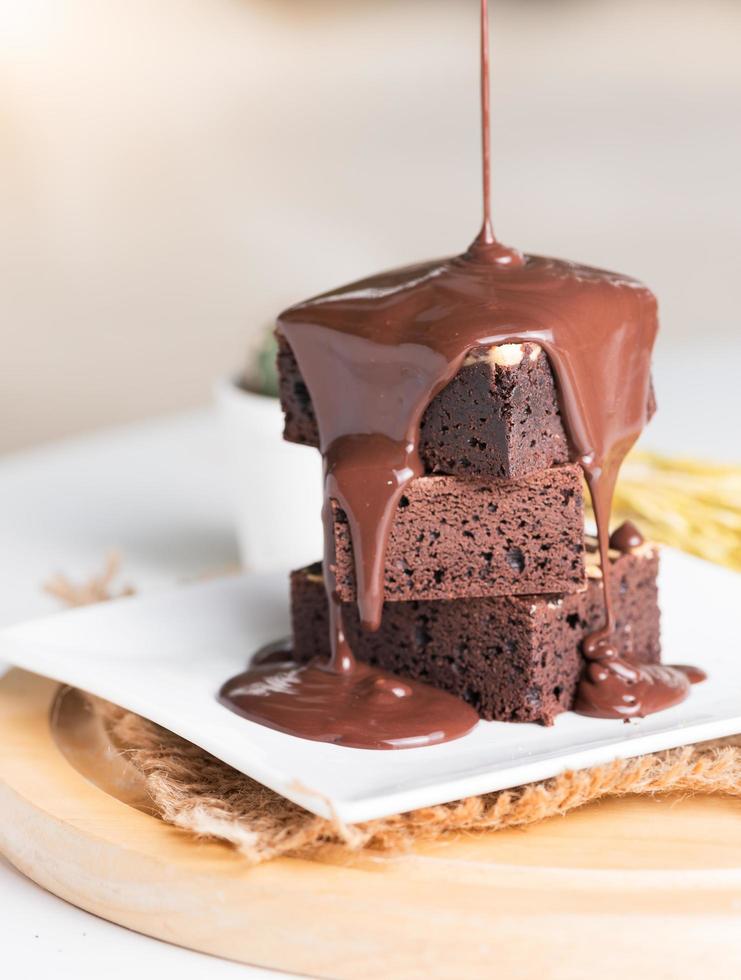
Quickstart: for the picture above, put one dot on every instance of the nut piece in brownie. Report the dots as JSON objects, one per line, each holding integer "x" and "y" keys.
{"x": 457, "y": 538}
{"x": 514, "y": 658}
{"x": 498, "y": 417}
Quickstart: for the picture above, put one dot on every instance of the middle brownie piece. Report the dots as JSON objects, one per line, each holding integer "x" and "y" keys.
{"x": 456, "y": 537}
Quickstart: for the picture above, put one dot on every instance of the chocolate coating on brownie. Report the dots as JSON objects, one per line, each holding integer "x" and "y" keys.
{"x": 457, "y": 537}
{"x": 498, "y": 417}
{"x": 513, "y": 658}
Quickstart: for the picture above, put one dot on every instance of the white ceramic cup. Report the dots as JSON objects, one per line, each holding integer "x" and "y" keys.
{"x": 276, "y": 485}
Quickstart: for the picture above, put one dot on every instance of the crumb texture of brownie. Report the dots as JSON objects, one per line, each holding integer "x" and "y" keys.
{"x": 495, "y": 419}
{"x": 456, "y": 538}
{"x": 513, "y": 658}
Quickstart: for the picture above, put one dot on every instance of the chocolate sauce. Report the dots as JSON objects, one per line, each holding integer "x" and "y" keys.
{"x": 612, "y": 688}
{"x": 362, "y": 707}
{"x": 626, "y": 537}
{"x": 695, "y": 674}
{"x": 279, "y": 652}
{"x": 373, "y": 355}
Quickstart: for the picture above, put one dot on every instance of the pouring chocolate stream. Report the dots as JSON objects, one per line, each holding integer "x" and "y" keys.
{"x": 373, "y": 355}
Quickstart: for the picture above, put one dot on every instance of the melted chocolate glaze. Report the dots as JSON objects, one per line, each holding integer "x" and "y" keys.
{"x": 364, "y": 708}
{"x": 612, "y": 688}
{"x": 626, "y": 537}
{"x": 373, "y": 355}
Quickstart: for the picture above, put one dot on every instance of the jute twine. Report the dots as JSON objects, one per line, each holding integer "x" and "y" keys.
{"x": 198, "y": 793}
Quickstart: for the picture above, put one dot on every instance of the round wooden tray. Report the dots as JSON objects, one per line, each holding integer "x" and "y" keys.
{"x": 641, "y": 887}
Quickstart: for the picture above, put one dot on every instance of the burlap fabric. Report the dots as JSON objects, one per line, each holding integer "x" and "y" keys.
{"x": 196, "y": 792}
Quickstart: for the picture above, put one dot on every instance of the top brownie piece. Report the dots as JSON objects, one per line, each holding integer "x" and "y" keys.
{"x": 498, "y": 417}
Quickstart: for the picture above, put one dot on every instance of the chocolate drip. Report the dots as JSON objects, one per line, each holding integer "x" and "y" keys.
{"x": 279, "y": 652}
{"x": 373, "y": 355}
{"x": 486, "y": 235}
{"x": 626, "y": 537}
{"x": 362, "y": 707}
{"x": 612, "y": 688}
{"x": 694, "y": 674}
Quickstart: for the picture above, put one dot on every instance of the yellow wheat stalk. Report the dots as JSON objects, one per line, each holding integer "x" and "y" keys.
{"x": 686, "y": 503}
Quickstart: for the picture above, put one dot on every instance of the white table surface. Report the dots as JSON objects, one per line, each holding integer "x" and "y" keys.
{"x": 157, "y": 492}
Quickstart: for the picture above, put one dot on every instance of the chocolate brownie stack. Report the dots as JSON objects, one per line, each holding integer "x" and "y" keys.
{"x": 490, "y": 586}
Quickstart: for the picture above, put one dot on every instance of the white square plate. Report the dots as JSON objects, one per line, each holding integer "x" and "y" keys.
{"x": 166, "y": 655}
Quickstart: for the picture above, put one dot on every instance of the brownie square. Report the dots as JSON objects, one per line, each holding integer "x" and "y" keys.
{"x": 498, "y": 417}
{"x": 457, "y": 537}
{"x": 513, "y": 658}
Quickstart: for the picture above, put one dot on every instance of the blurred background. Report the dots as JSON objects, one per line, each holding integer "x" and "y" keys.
{"x": 173, "y": 172}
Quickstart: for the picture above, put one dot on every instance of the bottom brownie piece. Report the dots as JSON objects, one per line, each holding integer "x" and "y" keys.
{"x": 513, "y": 658}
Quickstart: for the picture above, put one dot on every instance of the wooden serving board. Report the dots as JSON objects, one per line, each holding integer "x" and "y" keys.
{"x": 647, "y": 887}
